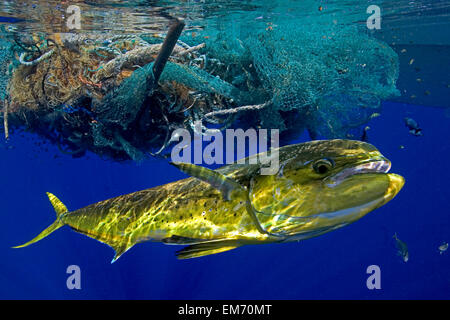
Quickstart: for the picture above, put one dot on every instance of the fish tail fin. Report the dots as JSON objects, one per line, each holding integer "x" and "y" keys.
{"x": 60, "y": 209}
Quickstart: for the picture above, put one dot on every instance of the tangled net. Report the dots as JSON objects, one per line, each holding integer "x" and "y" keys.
{"x": 98, "y": 93}
{"x": 330, "y": 80}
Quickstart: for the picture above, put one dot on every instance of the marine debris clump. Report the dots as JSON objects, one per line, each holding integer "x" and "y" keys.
{"x": 332, "y": 79}
{"x": 121, "y": 96}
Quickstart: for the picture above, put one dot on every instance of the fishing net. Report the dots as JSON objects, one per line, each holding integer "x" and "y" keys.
{"x": 5, "y": 57}
{"x": 98, "y": 92}
{"x": 335, "y": 78}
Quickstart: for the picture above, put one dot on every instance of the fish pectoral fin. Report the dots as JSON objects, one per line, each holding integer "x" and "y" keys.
{"x": 178, "y": 240}
{"x": 207, "y": 248}
{"x": 219, "y": 181}
{"x": 225, "y": 185}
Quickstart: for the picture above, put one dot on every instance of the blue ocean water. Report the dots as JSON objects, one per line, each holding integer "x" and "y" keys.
{"x": 331, "y": 266}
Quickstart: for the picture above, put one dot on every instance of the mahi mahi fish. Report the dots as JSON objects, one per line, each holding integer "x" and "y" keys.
{"x": 320, "y": 186}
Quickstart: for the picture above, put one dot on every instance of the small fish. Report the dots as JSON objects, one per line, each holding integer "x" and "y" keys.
{"x": 321, "y": 186}
{"x": 443, "y": 247}
{"x": 413, "y": 127}
{"x": 402, "y": 248}
{"x": 364, "y": 136}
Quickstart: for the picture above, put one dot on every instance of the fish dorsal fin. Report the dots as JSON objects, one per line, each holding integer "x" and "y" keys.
{"x": 217, "y": 180}
{"x": 207, "y": 248}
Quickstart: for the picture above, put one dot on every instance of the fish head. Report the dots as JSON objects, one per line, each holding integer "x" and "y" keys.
{"x": 323, "y": 185}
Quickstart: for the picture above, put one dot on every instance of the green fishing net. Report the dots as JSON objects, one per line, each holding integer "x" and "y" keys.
{"x": 5, "y": 57}
{"x": 100, "y": 95}
{"x": 335, "y": 78}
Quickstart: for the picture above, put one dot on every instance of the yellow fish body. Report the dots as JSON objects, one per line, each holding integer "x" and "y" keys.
{"x": 320, "y": 186}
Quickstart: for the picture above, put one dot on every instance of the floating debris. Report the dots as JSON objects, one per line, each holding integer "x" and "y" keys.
{"x": 5, "y": 118}
{"x": 402, "y": 248}
{"x": 443, "y": 247}
{"x": 413, "y": 127}
{"x": 108, "y": 94}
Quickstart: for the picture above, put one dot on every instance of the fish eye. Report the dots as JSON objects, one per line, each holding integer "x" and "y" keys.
{"x": 322, "y": 166}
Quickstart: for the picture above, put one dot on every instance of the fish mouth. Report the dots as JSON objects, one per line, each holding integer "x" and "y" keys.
{"x": 380, "y": 165}
{"x": 323, "y": 222}
{"x": 379, "y": 187}
{"x": 352, "y": 193}
{"x": 396, "y": 183}
{"x": 327, "y": 221}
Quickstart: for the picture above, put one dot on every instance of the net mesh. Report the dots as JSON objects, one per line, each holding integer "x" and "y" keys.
{"x": 334, "y": 77}
{"x": 5, "y": 58}
{"x": 98, "y": 94}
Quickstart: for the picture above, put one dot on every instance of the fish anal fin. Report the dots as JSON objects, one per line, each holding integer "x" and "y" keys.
{"x": 119, "y": 245}
{"x": 207, "y": 248}
{"x": 120, "y": 249}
